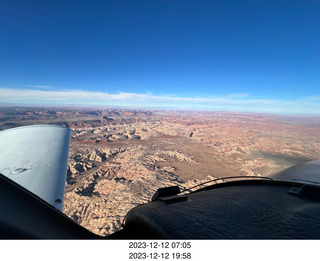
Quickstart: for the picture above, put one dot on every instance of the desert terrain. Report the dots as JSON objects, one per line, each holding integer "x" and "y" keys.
{"x": 119, "y": 157}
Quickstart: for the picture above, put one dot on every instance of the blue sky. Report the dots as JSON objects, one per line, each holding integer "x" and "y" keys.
{"x": 241, "y": 55}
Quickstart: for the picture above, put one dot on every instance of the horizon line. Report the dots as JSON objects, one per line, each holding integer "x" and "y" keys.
{"x": 29, "y": 105}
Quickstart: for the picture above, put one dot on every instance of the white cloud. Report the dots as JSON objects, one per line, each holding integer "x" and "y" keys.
{"x": 313, "y": 98}
{"x": 41, "y": 86}
{"x": 236, "y": 102}
{"x": 238, "y": 95}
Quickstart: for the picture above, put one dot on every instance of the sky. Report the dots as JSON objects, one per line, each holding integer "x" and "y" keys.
{"x": 229, "y": 55}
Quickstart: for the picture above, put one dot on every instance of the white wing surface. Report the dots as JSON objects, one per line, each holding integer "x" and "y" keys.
{"x": 307, "y": 173}
{"x": 36, "y": 158}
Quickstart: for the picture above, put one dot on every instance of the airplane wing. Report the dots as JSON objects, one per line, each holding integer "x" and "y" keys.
{"x": 36, "y": 158}
{"x": 307, "y": 173}
{"x": 33, "y": 166}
